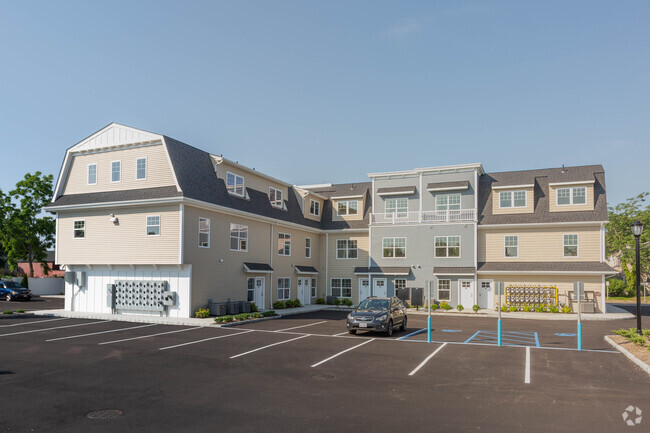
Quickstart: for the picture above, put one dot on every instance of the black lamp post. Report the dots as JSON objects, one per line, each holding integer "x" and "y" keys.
{"x": 637, "y": 229}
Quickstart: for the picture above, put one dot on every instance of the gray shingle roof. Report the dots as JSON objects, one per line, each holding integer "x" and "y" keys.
{"x": 117, "y": 196}
{"x": 576, "y": 267}
{"x": 258, "y": 267}
{"x": 306, "y": 269}
{"x": 342, "y": 190}
{"x": 445, "y": 270}
{"x": 541, "y": 179}
{"x": 386, "y": 270}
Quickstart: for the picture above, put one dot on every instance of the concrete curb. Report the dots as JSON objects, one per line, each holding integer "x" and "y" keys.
{"x": 245, "y": 322}
{"x": 172, "y": 321}
{"x": 529, "y": 315}
{"x": 645, "y": 367}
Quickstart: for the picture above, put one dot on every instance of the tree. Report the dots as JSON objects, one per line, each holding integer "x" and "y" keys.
{"x": 24, "y": 234}
{"x": 620, "y": 240}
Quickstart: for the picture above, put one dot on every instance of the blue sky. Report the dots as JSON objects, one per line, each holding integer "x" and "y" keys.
{"x": 314, "y": 92}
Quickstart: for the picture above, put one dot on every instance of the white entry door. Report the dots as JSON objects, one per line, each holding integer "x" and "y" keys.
{"x": 306, "y": 291}
{"x": 301, "y": 291}
{"x": 379, "y": 287}
{"x": 466, "y": 295}
{"x": 364, "y": 288}
{"x": 486, "y": 294}
{"x": 259, "y": 292}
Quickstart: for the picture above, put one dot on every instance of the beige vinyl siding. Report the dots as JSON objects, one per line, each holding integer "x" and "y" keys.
{"x": 251, "y": 180}
{"x": 544, "y": 244}
{"x": 159, "y": 172}
{"x": 589, "y": 199}
{"x": 344, "y": 268}
{"x": 530, "y": 202}
{"x": 564, "y": 283}
{"x": 124, "y": 243}
{"x": 357, "y": 217}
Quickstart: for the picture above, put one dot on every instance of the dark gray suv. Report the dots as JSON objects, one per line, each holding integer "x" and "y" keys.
{"x": 377, "y": 314}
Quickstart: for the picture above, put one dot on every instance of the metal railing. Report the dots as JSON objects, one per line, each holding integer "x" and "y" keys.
{"x": 429, "y": 216}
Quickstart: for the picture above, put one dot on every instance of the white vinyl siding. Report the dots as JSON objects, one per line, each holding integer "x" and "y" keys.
{"x": 275, "y": 197}
{"x": 511, "y": 245}
{"x": 346, "y": 249}
{"x": 570, "y": 196}
{"x": 447, "y": 246}
{"x": 348, "y": 207}
{"x": 235, "y": 184}
{"x": 204, "y": 232}
{"x": 394, "y": 247}
{"x": 141, "y": 168}
{"x": 570, "y": 245}
{"x": 153, "y": 225}
{"x": 92, "y": 174}
{"x": 284, "y": 288}
{"x": 284, "y": 244}
{"x": 342, "y": 287}
{"x": 238, "y": 237}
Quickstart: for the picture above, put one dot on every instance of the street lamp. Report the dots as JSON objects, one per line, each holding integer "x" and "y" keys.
{"x": 637, "y": 229}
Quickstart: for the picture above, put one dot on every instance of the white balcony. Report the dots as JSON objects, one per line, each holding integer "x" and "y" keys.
{"x": 427, "y": 217}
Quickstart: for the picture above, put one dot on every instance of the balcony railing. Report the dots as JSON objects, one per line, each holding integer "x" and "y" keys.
{"x": 429, "y": 216}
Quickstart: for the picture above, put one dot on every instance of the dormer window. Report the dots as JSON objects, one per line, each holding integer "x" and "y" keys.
{"x": 314, "y": 207}
{"x": 512, "y": 199}
{"x": 348, "y": 207}
{"x": 235, "y": 184}
{"x": 275, "y": 196}
{"x": 569, "y": 196}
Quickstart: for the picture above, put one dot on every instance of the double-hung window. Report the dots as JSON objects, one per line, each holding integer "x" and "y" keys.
{"x": 275, "y": 196}
{"x": 314, "y": 207}
{"x": 314, "y": 287}
{"x": 512, "y": 199}
{"x": 569, "y": 196}
{"x": 79, "y": 231}
{"x": 308, "y": 248}
{"x": 448, "y": 202}
{"x": 394, "y": 247}
{"x": 235, "y": 184}
{"x": 92, "y": 174}
{"x": 570, "y": 245}
{"x": 447, "y": 246}
{"x": 250, "y": 290}
{"x": 153, "y": 226}
{"x": 116, "y": 171}
{"x": 342, "y": 287}
{"x": 284, "y": 288}
{"x": 348, "y": 207}
{"x": 399, "y": 283}
{"x": 511, "y": 244}
{"x": 238, "y": 237}
{"x": 397, "y": 206}
{"x": 346, "y": 249}
{"x": 204, "y": 232}
{"x": 444, "y": 290}
{"x": 141, "y": 168}
{"x": 284, "y": 244}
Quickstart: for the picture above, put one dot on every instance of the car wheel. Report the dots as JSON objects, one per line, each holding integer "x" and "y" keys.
{"x": 390, "y": 329}
{"x": 353, "y": 331}
{"x": 403, "y": 327}
{"x": 8, "y": 297}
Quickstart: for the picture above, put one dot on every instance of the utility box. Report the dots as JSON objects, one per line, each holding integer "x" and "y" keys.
{"x": 169, "y": 298}
{"x": 70, "y": 277}
{"x": 81, "y": 278}
{"x": 217, "y": 308}
{"x": 232, "y": 307}
{"x": 244, "y": 307}
{"x": 110, "y": 296}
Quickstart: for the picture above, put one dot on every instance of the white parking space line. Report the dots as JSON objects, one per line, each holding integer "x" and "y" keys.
{"x": 427, "y": 360}
{"x": 56, "y": 327}
{"x": 101, "y": 332}
{"x": 527, "y": 374}
{"x": 147, "y": 336}
{"x": 205, "y": 339}
{"x": 270, "y": 345}
{"x": 341, "y": 353}
{"x": 37, "y": 321}
{"x": 340, "y": 333}
{"x": 302, "y": 326}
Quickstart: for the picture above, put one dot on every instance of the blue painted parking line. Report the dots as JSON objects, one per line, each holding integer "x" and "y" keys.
{"x": 565, "y": 334}
{"x": 529, "y": 339}
{"x": 419, "y": 331}
{"x": 470, "y": 338}
{"x": 451, "y": 330}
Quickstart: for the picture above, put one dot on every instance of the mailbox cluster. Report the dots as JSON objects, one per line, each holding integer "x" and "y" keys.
{"x": 522, "y": 295}
{"x": 140, "y": 295}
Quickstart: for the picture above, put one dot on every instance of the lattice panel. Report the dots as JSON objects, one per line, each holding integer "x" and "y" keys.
{"x": 140, "y": 295}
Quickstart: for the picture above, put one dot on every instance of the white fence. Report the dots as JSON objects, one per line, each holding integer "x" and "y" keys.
{"x": 440, "y": 216}
{"x": 44, "y": 286}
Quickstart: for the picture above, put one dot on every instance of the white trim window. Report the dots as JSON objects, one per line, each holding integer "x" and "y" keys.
{"x": 116, "y": 171}
{"x": 284, "y": 288}
{"x": 444, "y": 290}
{"x": 204, "y": 232}
{"x": 341, "y": 287}
{"x": 570, "y": 196}
{"x": 448, "y": 202}
{"x": 346, "y": 249}
{"x": 235, "y": 184}
{"x": 92, "y": 174}
{"x": 284, "y": 244}
{"x": 308, "y": 248}
{"x": 397, "y": 206}
{"x": 511, "y": 246}
{"x": 512, "y": 199}
{"x": 314, "y": 287}
{"x": 153, "y": 225}
{"x": 238, "y": 237}
{"x": 399, "y": 283}
{"x": 447, "y": 246}
{"x": 79, "y": 229}
{"x": 250, "y": 289}
{"x": 348, "y": 207}
{"x": 141, "y": 169}
{"x": 394, "y": 247}
{"x": 275, "y": 196}
{"x": 570, "y": 245}
{"x": 314, "y": 207}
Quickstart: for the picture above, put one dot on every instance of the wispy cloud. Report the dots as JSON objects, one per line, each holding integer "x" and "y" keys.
{"x": 406, "y": 27}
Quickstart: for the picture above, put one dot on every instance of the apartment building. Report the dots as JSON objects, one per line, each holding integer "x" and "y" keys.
{"x": 149, "y": 214}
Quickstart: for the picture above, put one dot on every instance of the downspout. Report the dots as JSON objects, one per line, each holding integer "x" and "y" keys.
{"x": 327, "y": 248}
{"x": 372, "y": 208}
{"x": 475, "y": 236}
{"x": 421, "y": 194}
{"x": 181, "y": 235}
{"x": 271, "y": 265}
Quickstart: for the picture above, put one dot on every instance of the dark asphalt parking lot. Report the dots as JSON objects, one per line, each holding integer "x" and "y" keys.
{"x": 294, "y": 374}
{"x": 36, "y": 303}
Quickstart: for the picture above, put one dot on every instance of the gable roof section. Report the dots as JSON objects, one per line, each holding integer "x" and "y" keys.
{"x": 540, "y": 179}
{"x": 344, "y": 190}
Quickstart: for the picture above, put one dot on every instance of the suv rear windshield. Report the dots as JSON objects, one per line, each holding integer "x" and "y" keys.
{"x": 374, "y": 304}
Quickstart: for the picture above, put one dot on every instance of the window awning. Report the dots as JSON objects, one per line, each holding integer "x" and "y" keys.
{"x": 306, "y": 270}
{"x": 257, "y": 268}
{"x": 386, "y": 270}
{"x": 448, "y": 186}
{"x": 396, "y": 190}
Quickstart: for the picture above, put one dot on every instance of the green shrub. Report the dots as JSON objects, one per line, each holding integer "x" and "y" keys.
{"x": 434, "y": 307}
{"x": 504, "y": 308}
{"x": 254, "y": 308}
{"x": 256, "y": 315}
{"x": 635, "y": 338}
{"x": 513, "y": 308}
{"x": 320, "y": 301}
{"x": 243, "y": 316}
{"x": 566, "y": 309}
{"x": 347, "y": 302}
{"x": 25, "y": 281}
{"x": 460, "y": 307}
{"x": 296, "y": 303}
{"x": 268, "y": 313}
{"x": 337, "y": 301}
{"x": 445, "y": 306}
{"x": 279, "y": 305}
{"x": 528, "y": 308}
{"x": 224, "y": 319}
{"x": 476, "y": 308}
{"x": 553, "y": 308}
{"x": 540, "y": 308}
{"x": 20, "y": 311}
{"x": 202, "y": 313}
{"x": 8, "y": 312}
{"x": 616, "y": 287}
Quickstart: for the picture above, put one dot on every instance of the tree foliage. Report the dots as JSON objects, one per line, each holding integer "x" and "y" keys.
{"x": 620, "y": 240}
{"x": 25, "y": 234}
